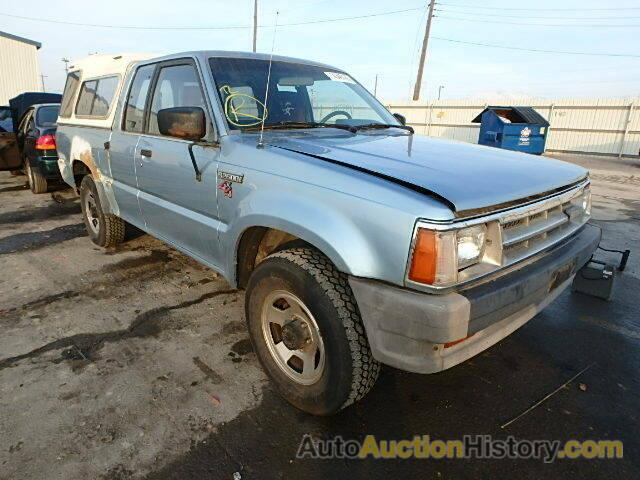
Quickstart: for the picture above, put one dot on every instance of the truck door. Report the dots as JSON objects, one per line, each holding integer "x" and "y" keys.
{"x": 175, "y": 206}
{"x": 9, "y": 152}
{"x": 122, "y": 146}
{"x": 26, "y": 135}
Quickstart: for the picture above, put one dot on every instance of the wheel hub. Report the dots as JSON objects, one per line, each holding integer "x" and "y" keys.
{"x": 296, "y": 334}
{"x": 91, "y": 211}
{"x": 293, "y": 337}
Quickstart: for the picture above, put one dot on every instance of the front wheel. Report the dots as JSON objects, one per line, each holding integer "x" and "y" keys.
{"x": 105, "y": 230}
{"x": 307, "y": 332}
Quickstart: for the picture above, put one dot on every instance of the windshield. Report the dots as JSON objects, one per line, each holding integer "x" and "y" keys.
{"x": 298, "y": 93}
{"x": 47, "y": 116}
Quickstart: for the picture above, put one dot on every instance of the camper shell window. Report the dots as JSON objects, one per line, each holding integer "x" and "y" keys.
{"x": 70, "y": 89}
{"x": 96, "y": 96}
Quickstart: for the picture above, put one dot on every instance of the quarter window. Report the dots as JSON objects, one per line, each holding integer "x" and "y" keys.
{"x": 137, "y": 98}
{"x": 96, "y": 97}
{"x": 177, "y": 86}
{"x": 70, "y": 88}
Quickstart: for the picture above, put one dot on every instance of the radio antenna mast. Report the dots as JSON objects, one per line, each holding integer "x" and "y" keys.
{"x": 266, "y": 92}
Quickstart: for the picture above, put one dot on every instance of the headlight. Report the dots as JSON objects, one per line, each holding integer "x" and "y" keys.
{"x": 438, "y": 255}
{"x": 470, "y": 245}
{"x": 586, "y": 200}
{"x": 580, "y": 209}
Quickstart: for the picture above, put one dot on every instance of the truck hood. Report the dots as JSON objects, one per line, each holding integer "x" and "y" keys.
{"x": 471, "y": 178}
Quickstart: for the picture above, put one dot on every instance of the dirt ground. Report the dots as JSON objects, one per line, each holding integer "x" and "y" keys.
{"x": 135, "y": 363}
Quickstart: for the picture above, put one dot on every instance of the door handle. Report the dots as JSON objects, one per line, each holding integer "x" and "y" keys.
{"x": 145, "y": 153}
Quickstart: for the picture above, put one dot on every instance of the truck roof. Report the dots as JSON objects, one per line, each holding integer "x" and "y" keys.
{"x": 241, "y": 54}
{"x": 98, "y": 65}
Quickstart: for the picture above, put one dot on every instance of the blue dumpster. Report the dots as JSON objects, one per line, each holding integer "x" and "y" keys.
{"x": 513, "y": 128}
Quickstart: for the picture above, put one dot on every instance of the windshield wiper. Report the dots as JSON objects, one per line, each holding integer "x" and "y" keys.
{"x": 382, "y": 125}
{"x": 282, "y": 125}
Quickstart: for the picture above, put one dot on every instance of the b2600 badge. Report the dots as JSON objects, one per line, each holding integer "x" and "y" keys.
{"x": 230, "y": 177}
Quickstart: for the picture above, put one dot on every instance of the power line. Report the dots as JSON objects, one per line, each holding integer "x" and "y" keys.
{"x": 535, "y": 49}
{"x": 580, "y": 9}
{"x": 527, "y": 16}
{"x": 228, "y": 27}
{"x": 539, "y": 24}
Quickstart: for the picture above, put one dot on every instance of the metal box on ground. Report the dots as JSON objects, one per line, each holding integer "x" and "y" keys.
{"x": 513, "y": 128}
{"x": 595, "y": 279}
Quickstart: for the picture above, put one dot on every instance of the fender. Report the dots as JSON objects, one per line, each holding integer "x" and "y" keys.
{"x": 331, "y": 224}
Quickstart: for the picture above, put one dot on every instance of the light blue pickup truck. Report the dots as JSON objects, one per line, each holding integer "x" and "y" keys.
{"x": 357, "y": 241}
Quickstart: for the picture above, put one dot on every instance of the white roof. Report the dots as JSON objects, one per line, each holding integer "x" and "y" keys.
{"x": 104, "y": 64}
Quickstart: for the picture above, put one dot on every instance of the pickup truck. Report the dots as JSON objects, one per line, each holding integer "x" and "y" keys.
{"x": 358, "y": 242}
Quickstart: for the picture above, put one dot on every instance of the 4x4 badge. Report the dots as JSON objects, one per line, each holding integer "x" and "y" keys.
{"x": 227, "y": 189}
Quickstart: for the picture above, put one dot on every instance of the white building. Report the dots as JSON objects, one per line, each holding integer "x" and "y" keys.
{"x": 19, "y": 68}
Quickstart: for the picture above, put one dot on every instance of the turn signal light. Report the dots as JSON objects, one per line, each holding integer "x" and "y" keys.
{"x": 433, "y": 260}
{"x": 425, "y": 253}
{"x": 46, "y": 142}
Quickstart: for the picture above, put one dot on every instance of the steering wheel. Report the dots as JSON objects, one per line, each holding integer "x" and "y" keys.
{"x": 336, "y": 113}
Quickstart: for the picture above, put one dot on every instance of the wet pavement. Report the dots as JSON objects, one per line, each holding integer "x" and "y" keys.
{"x": 135, "y": 363}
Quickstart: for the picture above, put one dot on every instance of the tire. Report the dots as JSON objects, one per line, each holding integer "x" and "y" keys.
{"x": 105, "y": 230}
{"x": 37, "y": 182}
{"x": 341, "y": 367}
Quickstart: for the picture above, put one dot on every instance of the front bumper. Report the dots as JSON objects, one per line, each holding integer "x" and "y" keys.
{"x": 409, "y": 329}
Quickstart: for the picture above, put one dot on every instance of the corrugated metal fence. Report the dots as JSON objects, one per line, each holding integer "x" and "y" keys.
{"x": 592, "y": 126}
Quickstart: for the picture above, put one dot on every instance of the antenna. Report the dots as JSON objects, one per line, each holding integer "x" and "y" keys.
{"x": 266, "y": 91}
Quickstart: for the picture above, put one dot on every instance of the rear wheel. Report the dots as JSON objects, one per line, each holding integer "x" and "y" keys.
{"x": 105, "y": 230}
{"x": 37, "y": 181}
{"x": 307, "y": 332}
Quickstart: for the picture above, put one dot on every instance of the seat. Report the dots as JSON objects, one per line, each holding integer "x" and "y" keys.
{"x": 287, "y": 107}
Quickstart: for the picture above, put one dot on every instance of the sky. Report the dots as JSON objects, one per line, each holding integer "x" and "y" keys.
{"x": 387, "y": 45}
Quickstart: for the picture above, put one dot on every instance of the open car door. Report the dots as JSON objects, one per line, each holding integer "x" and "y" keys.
{"x": 9, "y": 152}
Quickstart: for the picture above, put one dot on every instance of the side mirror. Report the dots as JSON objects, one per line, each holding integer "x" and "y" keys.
{"x": 401, "y": 118}
{"x": 188, "y": 123}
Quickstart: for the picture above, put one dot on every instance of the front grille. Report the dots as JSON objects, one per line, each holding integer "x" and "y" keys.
{"x": 535, "y": 229}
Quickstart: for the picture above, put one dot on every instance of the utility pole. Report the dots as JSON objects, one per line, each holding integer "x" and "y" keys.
{"x": 255, "y": 24}
{"x": 440, "y": 91}
{"x": 423, "y": 54}
{"x": 42, "y": 77}
{"x": 66, "y": 64}
{"x": 375, "y": 87}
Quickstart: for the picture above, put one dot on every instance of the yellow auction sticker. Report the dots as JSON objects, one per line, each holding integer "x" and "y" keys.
{"x": 236, "y": 104}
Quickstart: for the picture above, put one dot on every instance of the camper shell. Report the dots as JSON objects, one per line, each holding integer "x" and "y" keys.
{"x": 83, "y": 91}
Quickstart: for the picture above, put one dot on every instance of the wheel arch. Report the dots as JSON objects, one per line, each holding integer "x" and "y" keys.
{"x": 334, "y": 236}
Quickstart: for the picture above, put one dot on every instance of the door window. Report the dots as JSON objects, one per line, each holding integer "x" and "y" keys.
{"x": 25, "y": 120}
{"x": 177, "y": 86}
{"x": 137, "y": 99}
